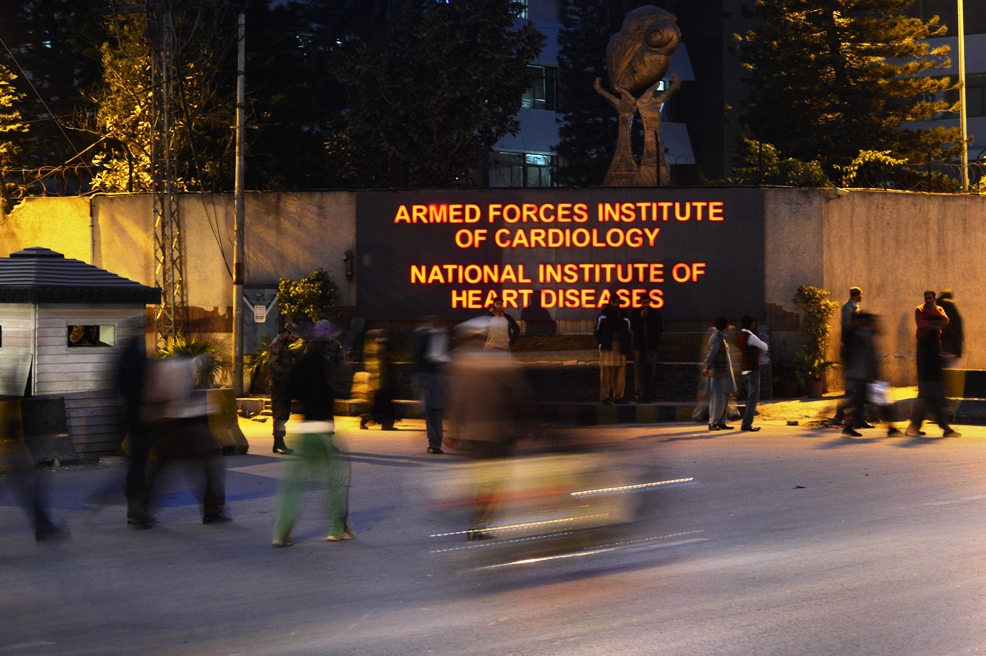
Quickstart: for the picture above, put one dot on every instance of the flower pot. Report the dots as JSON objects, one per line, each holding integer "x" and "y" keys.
{"x": 791, "y": 388}
{"x": 813, "y": 389}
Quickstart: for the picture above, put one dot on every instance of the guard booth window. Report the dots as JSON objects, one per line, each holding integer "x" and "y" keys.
{"x": 87, "y": 336}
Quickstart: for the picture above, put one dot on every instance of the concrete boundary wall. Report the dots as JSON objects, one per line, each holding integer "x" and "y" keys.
{"x": 892, "y": 244}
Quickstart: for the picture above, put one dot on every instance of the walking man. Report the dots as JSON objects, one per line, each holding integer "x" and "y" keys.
{"x": 848, "y": 321}
{"x": 279, "y": 368}
{"x": 319, "y": 459}
{"x": 930, "y": 319}
{"x": 613, "y": 334}
{"x": 751, "y": 347}
{"x": 951, "y": 335}
{"x": 719, "y": 370}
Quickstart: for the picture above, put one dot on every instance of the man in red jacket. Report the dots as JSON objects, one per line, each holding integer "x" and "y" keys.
{"x": 751, "y": 347}
{"x": 930, "y": 319}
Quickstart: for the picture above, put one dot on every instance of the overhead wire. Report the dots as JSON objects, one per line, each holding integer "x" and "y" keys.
{"x": 44, "y": 104}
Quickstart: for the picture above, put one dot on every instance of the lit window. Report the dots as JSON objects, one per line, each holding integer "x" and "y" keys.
{"x": 82, "y": 336}
{"x": 513, "y": 169}
{"x": 543, "y": 92}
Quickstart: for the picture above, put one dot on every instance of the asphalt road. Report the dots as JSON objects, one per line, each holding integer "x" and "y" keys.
{"x": 788, "y": 541}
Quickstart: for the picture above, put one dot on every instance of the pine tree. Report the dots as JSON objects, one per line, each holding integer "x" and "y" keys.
{"x": 589, "y": 126}
{"x": 427, "y": 102}
{"x": 831, "y": 78}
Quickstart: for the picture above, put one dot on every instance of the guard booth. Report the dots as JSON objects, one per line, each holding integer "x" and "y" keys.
{"x": 63, "y": 324}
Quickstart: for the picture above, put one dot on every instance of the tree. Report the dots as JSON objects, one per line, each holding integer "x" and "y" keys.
{"x": 204, "y": 82}
{"x": 10, "y": 122}
{"x": 427, "y": 102}
{"x": 833, "y": 77}
{"x": 43, "y": 40}
{"x": 589, "y": 125}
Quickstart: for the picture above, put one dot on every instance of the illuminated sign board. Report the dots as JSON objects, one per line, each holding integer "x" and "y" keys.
{"x": 692, "y": 253}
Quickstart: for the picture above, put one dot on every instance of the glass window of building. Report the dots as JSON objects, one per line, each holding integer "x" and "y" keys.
{"x": 543, "y": 92}
{"x": 515, "y": 169}
{"x": 975, "y": 95}
{"x": 974, "y": 13}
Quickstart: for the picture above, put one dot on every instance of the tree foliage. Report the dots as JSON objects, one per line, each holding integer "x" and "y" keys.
{"x": 833, "y": 77}
{"x": 763, "y": 165}
{"x": 589, "y": 125}
{"x": 427, "y": 102}
{"x": 44, "y": 40}
{"x": 203, "y": 86}
{"x": 10, "y": 116}
{"x": 312, "y": 298}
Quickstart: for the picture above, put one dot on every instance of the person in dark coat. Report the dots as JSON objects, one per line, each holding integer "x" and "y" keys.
{"x": 130, "y": 373}
{"x": 647, "y": 328}
{"x": 862, "y": 369}
{"x": 383, "y": 385}
{"x": 951, "y": 334}
{"x": 613, "y": 335}
{"x": 279, "y": 369}
{"x": 430, "y": 352}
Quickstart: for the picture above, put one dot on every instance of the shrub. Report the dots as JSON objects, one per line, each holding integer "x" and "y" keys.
{"x": 816, "y": 310}
{"x": 312, "y": 298}
{"x": 205, "y": 354}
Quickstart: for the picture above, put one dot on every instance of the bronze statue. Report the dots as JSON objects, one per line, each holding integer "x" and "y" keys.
{"x": 637, "y": 58}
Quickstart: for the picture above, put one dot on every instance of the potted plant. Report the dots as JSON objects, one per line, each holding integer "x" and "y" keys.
{"x": 811, "y": 371}
{"x": 786, "y": 377}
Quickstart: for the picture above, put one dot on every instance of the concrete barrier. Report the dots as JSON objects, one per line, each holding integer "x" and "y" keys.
{"x": 46, "y": 430}
{"x": 14, "y": 454}
{"x": 224, "y": 423}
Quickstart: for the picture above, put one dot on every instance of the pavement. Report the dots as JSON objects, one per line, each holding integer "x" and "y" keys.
{"x": 794, "y": 540}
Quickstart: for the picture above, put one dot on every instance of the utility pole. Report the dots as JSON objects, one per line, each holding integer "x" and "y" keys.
{"x": 168, "y": 248}
{"x": 238, "y": 250}
{"x": 960, "y": 19}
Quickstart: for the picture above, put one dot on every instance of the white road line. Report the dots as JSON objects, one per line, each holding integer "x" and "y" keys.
{"x": 951, "y": 501}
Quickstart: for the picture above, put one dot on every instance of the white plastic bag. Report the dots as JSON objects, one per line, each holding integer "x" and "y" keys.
{"x": 878, "y": 393}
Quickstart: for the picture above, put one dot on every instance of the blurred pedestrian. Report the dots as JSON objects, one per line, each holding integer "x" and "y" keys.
{"x": 848, "y": 316}
{"x": 279, "y": 370}
{"x": 751, "y": 349}
{"x": 647, "y": 328}
{"x": 175, "y": 418}
{"x": 430, "y": 352}
{"x": 381, "y": 386}
{"x": 952, "y": 337}
{"x": 613, "y": 333}
{"x": 332, "y": 353}
{"x": 503, "y": 329}
{"x": 489, "y": 412}
{"x": 28, "y": 482}
{"x": 862, "y": 370}
{"x": 131, "y": 371}
{"x": 930, "y": 319}
{"x": 318, "y": 457}
{"x": 719, "y": 371}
